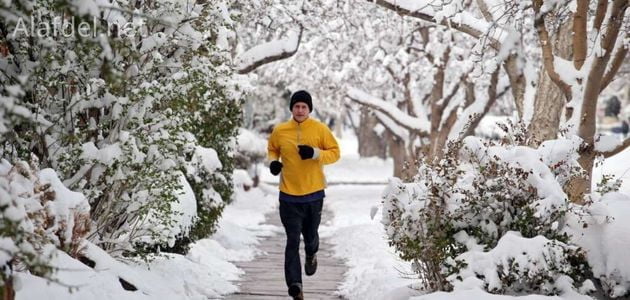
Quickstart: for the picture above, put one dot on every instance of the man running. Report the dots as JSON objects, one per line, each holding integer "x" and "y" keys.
{"x": 298, "y": 149}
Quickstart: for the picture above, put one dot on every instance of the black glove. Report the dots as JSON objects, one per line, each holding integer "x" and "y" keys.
{"x": 275, "y": 167}
{"x": 306, "y": 151}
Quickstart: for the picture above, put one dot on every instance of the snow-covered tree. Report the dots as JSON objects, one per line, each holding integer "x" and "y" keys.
{"x": 558, "y": 56}
{"x": 314, "y": 28}
{"x": 582, "y": 45}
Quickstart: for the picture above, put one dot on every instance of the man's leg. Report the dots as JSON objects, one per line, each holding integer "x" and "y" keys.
{"x": 291, "y": 217}
{"x": 310, "y": 227}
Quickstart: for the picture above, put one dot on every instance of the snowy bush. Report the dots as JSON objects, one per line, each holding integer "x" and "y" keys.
{"x": 122, "y": 112}
{"x": 38, "y": 215}
{"x": 491, "y": 216}
{"x": 252, "y": 150}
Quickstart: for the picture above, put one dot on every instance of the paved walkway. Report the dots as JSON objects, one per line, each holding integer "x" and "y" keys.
{"x": 264, "y": 276}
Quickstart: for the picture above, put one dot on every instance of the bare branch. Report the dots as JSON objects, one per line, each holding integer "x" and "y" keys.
{"x": 450, "y": 96}
{"x": 579, "y": 33}
{"x": 517, "y": 81}
{"x": 600, "y": 13}
{"x": 437, "y": 93}
{"x": 411, "y": 109}
{"x": 614, "y": 24}
{"x": 493, "y": 95}
{"x": 483, "y": 7}
{"x": 426, "y": 98}
{"x": 392, "y": 73}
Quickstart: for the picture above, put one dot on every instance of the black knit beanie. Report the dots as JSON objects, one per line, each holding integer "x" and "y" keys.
{"x": 301, "y": 96}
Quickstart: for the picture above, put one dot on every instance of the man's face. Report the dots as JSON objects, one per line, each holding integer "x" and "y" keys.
{"x": 300, "y": 111}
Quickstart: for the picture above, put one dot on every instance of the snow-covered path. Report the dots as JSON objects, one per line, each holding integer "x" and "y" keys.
{"x": 264, "y": 276}
{"x": 355, "y": 260}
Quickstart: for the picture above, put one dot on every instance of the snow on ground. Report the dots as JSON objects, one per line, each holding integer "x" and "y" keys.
{"x": 375, "y": 271}
{"x": 207, "y": 272}
{"x": 481, "y": 295}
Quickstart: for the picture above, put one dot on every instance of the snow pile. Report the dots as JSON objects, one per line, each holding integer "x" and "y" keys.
{"x": 514, "y": 260}
{"x": 207, "y": 158}
{"x": 481, "y": 294}
{"x": 183, "y": 210}
{"x": 170, "y": 276}
{"x": 602, "y": 228}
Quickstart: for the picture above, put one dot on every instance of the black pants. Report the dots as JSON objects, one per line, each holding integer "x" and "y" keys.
{"x": 299, "y": 218}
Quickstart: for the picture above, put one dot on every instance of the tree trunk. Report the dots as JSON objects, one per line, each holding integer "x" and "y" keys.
{"x": 370, "y": 143}
{"x": 437, "y": 93}
{"x": 402, "y": 164}
{"x": 517, "y": 83}
{"x": 550, "y": 100}
{"x": 548, "y": 106}
{"x": 8, "y": 293}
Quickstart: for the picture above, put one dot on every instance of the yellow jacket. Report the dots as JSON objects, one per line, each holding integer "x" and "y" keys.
{"x": 301, "y": 177}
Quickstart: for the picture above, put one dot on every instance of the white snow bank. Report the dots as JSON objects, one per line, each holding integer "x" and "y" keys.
{"x": 513, "y": 254}
{"x": 605, "y": 235}
{"x": 207, "y": 158}
{"x": 375, "y": 271}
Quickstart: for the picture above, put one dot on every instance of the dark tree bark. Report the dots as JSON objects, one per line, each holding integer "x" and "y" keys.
{"x": 370, "y": 143}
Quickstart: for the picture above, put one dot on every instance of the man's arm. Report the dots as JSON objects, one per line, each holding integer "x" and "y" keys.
{"x": 273, "y": 150}
{"x": 273, "y": 153}
{"x": 329, "y": 153}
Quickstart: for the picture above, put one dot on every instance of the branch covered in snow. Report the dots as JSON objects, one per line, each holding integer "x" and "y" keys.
{"x": 394, "y": 128}
{"x": 269, "y": 52}
{"x": 461, "y": 21}
{"x": 401, "y": 118}
{"x": 612, "y": 149}
{"x": 547, "y": 52}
